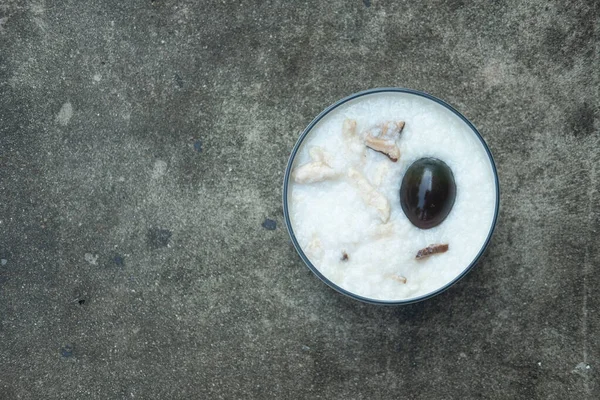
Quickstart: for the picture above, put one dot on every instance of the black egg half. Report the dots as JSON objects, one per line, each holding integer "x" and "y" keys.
{"x": 428, "y": 192}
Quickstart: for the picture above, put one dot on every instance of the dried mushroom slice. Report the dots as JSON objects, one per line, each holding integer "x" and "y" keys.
{"x": 383, "y": 139}
{"x": 431, "y": 250}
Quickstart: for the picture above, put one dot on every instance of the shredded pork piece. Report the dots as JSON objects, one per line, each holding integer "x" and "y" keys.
{"x": 318, "y": 154}
{"x": 349, "y": 129}
{"x": 369, "y": 195}
{"x": 381, "y": 172}
{"x": 431, "y": 250}
{"x": 316, "y": 171}
{"x": 381, "y": 231}
{"x": 397, "y": 278}
{"x": 315, "y": 247}
{"x": 353, "y": 142}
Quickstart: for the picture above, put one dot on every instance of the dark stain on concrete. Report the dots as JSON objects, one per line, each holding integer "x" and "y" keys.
{"x": 198, "y": 145}
{"x": 119, "y": 260}
{"x": 66, "y": 351}
{"x": 7, "y": 392}
{"x": 157, "y": 238}
{"x": 269, "y": 224}
{"x": 570, "y": 36}
{"x": 554, "y": 39}
{"x": 454, "y": 5}
{"x": 178, "y": 80}
{"x": 581, "y": 121}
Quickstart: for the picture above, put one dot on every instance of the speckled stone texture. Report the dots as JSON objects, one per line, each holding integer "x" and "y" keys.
{"x": 142, "y": 244}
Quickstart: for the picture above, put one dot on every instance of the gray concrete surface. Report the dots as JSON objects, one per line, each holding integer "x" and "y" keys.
{"x": 142, "y": 146}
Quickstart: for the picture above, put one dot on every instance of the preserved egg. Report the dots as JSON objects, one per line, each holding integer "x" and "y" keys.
{"x": 427, "y": 192}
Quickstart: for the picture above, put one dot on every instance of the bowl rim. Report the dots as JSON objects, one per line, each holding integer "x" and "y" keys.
{"x": 286, "y": 180}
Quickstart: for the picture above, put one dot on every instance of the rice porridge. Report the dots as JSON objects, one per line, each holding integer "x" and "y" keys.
{"x": 361, "y": 188}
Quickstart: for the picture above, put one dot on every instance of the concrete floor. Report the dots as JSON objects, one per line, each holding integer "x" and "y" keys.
{"x": 142, "y": 147}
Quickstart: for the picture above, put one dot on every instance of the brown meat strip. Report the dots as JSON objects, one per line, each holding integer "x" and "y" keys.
{"x": 431, "y": 250}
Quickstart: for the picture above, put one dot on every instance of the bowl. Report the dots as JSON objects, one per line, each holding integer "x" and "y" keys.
{"x": 286, "y": 206}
